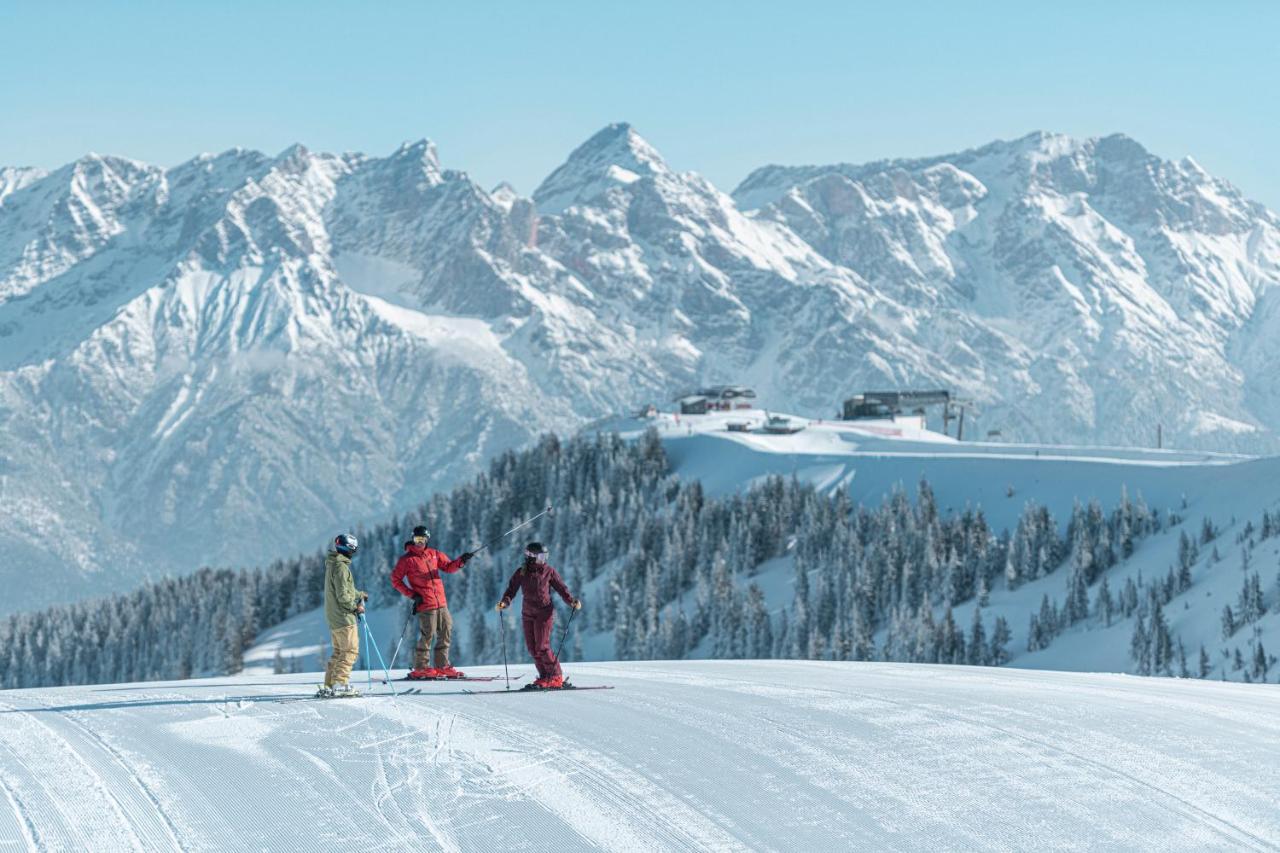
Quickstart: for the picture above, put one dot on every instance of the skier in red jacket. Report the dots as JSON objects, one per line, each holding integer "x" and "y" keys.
{"x": 417, "y": 576}
{"x": 538, "y": 614}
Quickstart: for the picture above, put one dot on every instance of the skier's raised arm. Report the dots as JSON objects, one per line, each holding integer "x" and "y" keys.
{"x": 452, "y": 566}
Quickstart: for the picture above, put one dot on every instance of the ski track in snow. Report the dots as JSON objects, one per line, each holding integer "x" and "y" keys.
{"x": 681, "y": 756}
{"x": 126, "y": 781}
{"x": 45, "y": 763}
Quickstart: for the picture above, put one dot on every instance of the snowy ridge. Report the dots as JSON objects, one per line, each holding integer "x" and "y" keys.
{"x": 281, "y": 345}
{"x": 713, "y": 755}
{"x": 872, "y": 458}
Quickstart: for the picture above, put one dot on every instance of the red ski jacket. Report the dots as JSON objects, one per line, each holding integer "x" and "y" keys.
{"x": 536, "y": 581}
{"x": 418, "y": 573}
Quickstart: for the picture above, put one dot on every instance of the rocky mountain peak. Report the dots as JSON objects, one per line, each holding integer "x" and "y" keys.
{"x": 422, "y": 153}
{"x": 615, "y": 156}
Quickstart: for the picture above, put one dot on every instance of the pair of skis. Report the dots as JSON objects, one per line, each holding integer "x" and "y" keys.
{"x": 529, "y": 688}
{"x": 418, "y": 691}
{"x": 412, "y": 691}
{"x": 463, "y": 678}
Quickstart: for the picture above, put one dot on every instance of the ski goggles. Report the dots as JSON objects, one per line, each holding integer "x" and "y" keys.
{"x": 539, "y": 557}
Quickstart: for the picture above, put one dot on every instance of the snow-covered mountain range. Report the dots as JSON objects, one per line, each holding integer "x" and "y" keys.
{"x": 220, "y": 362}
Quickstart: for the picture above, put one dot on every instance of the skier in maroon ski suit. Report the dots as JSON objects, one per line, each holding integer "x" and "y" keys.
{"x": 536, "y": 579}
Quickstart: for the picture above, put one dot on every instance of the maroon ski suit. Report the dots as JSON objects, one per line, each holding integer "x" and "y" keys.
{"x": 537, "y": 612}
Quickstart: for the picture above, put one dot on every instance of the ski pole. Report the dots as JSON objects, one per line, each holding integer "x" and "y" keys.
{"x": 502, "y": 622}
{"x": 364, "y": 650}
{"x": 513, "y": 530}
{"x": 369, "y": 632}
{"x": 565, "y": 635}
{"x": 407, "y": 620}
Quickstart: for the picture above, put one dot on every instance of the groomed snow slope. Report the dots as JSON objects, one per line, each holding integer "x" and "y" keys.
{"x": 690, "y": 755}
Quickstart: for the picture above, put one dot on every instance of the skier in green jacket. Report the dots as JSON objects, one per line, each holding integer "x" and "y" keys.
{"x": 342, "y": 604}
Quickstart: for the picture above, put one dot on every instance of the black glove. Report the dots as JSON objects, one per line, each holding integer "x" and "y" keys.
{"x": 417, "y": 602}
{"x": 466, "y": 558}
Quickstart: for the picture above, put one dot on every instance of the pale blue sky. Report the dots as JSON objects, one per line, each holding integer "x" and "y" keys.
{"x": 507, "y": 89}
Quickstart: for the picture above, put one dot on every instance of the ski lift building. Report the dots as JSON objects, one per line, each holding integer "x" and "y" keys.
{"x": 889, "y": 405}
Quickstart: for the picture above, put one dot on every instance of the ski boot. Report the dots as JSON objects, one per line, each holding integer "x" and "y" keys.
{"x": 324, "y": 691}
{"x": 345, "y": 691}
{"x": 449, "y": 672}
{"x": 539, "y": 683}
{"x": 428, "y": 673}
{"x": 555, "y": 682}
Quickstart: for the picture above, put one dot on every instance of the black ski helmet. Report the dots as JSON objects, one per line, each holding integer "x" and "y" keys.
{"x": 421, "y": 530}
{"x": 535, "y": 552}
{"x": 346, "y": 544}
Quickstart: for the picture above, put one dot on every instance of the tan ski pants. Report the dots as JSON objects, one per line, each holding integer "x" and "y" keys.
{"x": 346, "y": 648}
{"x": 438, "y": 624}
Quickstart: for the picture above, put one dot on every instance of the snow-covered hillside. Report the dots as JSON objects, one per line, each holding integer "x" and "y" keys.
{"x": 873, "y": 458}
{"x": 680, "y": 756}
{"x": 220, "y": 362}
